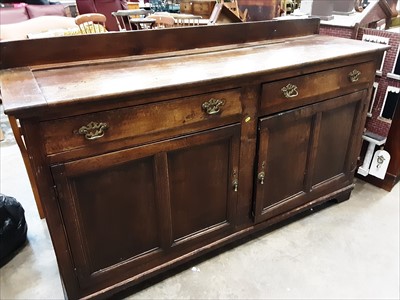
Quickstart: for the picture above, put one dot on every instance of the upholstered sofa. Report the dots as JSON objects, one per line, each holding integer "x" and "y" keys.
{"x": 23, "y": 12}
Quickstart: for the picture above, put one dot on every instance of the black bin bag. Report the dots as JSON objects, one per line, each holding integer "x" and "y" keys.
{"x": 13, "y": 228}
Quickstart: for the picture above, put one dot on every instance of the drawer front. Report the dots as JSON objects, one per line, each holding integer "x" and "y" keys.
{"x": 186, "y": 7}
{"x": 301, "y": 90}
{"x": 152, "y": 120}
{"x": 202, "y": 8}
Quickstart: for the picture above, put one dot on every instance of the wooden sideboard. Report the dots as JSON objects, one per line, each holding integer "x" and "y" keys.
{"x": 150, "y": 148}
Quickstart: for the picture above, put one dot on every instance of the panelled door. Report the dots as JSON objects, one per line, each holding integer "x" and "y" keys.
{"x": 306, "y": 152}
{"x": 123, "y": 210}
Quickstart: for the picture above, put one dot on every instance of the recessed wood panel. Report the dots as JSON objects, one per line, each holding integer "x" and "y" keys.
{"x": 286, "y": 161}
{"x": 199, "y": 180}
{"x": 333, "y": 142}
{"x": 117, "y": 211}
{"x": 284, "y": 149}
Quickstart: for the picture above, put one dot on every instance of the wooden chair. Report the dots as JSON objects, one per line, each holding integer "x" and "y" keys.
{"x": 162, "y": 21}
{"x": 187, "y": 19}
{"x": 182, "y": 19}
{"x": 91, "y": 23}
{"x": 125, "y": 18}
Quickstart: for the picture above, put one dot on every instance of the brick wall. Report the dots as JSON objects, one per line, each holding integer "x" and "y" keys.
{"x": 338, "y": 31}
{"x": 373, "y": 123}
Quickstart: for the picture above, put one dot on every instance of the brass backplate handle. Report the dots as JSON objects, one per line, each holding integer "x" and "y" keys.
{"x": 235, "y": 181}
{"x": 213, "y": 106}
{"x": 290, "y": 91}
{"x": 93, "y": 130}
{"x": 261, "y": 174}
{"x": 261, "y": 177}
{"x": 354, "y": 75}
{"x": 235, "y": 184}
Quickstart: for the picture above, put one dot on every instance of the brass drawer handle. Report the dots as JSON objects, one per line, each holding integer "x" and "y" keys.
{"x": 290, "y": 91}
{"x": 354, "y": 75}
{"x": 213, "y": 106}
{"x": 93, "y": 130}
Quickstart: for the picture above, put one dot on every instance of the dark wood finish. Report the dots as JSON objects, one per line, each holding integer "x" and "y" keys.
{"x": 182, "y": 113}
{"x": 259, "y": 10}
{"x": 201, "y": 8}
{"x": 312, "y": 87}
{"x": 122, "y": 44}
{"x": 300, "y": 153}
{"x": 115, "y": 194}
{"x": 163, "y": 180}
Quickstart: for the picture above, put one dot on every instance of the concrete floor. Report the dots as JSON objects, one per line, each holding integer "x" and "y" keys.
{"x": 344, "y": 251}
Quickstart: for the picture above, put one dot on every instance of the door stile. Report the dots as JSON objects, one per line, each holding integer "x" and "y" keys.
{"x": 163, "y": 199}
{"x": 313, "y": 146}
{"x": 261, "y": 173}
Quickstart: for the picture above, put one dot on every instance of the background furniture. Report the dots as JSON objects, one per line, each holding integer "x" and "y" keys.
{"x": 162, "y": 21}
{"x": 105, "y": 7}
{"x": 258, "y": 10}
{"x": 186, "y": 19}
{"x": 221, "y": 12}
{"x": 183, "y": 19}
{"x": 91, "y": 23}
{"x": 171, "y": 6}
{"x": 21, "y": 13}
{"x": 195, "y": 144}
{"x": 56, "y": 25}
{"x": 201, "y": 8}
{"x": 132, "y": 19}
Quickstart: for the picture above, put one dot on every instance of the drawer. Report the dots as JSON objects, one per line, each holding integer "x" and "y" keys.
{"x": 142, "y": 122}
{"x": 301, "y": 90}
{"x": 201, "y": 8}
{"x": 186, "y": 8}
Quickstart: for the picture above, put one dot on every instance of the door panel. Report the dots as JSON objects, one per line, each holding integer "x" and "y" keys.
{"x": 334, "y": 141}
{"x": 119, "y": 204}
{"x": 305, "y": 153}
{"x": 123, "y": 210}
{"x": 111, "y": 213}
{"x": 199, "y": 177}
{"x": 285, "y": 162}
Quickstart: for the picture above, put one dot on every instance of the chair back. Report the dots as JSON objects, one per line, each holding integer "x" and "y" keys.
{"x": 123, "y": 16}
{"x": 162, "y": 21}
{"x": 105, "y": 7}
{"x": 186, "y": 19}
{"x": 182, "y": 19}
{"x": 91, "y": 23}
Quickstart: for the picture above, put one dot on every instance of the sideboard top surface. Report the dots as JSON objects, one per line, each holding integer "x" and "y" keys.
{"x": 37, "y": 87}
